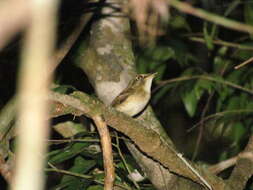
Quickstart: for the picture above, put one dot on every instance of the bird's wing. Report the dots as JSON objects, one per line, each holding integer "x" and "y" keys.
{"x": 123, "y": 95}
{"x": 120, "y": 98}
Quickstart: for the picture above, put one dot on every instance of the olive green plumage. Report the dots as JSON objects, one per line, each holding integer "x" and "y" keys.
{"x": 135, "y": 97}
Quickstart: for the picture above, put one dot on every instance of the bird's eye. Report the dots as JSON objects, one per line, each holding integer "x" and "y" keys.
{"x": 138, "y": 77}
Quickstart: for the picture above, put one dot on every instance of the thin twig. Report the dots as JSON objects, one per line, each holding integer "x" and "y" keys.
{"x": 124, "y": 160}
{"x": 204, "y": 77}
{"x": 220, "y": 114}
{"x": 201, "y": 128}
{"x": 195, "y": 171}
{"x": 107, "y": 151}
{"x": 223, "y": 43}
{"x": 59, "y": 141}
{"x": 71, "y": 173}
{"x": 187, "y": 8}
{"x": 244, "y": 63}
{"x": 203, "y": 114}
{"x": 221, "y": 166}
{"x": 88, "y": 177}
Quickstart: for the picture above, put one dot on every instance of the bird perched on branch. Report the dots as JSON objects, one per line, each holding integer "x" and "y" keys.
{"x": 136, "y": 96}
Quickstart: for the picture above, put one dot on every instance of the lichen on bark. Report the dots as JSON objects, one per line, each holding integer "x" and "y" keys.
{"x": 109, "y": 63}
{"x": 108, "y": 60}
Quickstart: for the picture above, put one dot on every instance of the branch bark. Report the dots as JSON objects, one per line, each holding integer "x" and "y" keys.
{"x": 109, "y": 64}
{"x": 243, "y": 169}
{"x": 107, "y": 151}
{"x": 158, "y": 149}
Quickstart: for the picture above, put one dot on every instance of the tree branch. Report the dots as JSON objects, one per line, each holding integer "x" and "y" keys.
{"x": 107, "y": 151}
{"x": 221, "y": 166}
{"x": 187, "y": 8}
{"x": 243, "y": 169}
{"x": 158, "y": 149}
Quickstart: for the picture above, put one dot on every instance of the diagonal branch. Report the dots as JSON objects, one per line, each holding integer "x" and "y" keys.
{"x": 225, "y": 22}
{"x": 158, "y": 149}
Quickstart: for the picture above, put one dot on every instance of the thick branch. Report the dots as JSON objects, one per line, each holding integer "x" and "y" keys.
{"x": 243, "y": 169}
{"x": 141, "y": 135}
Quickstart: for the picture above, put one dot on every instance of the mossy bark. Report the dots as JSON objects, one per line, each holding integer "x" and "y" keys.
{"x": 109, "y": 63}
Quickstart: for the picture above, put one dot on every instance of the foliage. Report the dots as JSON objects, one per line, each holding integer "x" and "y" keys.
{"x": 201, "y": 79}
{"x": 196, "y": 82}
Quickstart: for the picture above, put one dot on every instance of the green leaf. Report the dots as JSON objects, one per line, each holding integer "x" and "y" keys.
{"x": 189, "y": 72}
{"x": 246, "y": 76}
{"x": 201, "y": 86}
{"x": 160, "y": 71}
{"x": 248, "y": 13}
{"x": 132, "y": 165}
{"x": 152, "y": 59}
{"x": 208, "y": 38}
{"x": 179, "y": 22}
{"x": 233, "y": 103}
{"x": 61, "y": 155}
{"x": 81, "y": 166}
{"x": 194, "y": 93}
{"x": 219, "y": 64}
{"x": 236, "y": 102}
{"x": 223, "y": 50}
{"x": 243, "y": 54}
{"x": 249, "y": 105}
{"x": 237, "y": 132}
{"x": 141, "y": 64}
{"x": 95, "y": 187}
{"x": 219, "y": 105}
{"x": 235, "y": 76}
{"x": 190, "y": 93}
{"x": 161, "y": 53}
{"x": 223, "y": 90}
{"x": 190, "y": 102}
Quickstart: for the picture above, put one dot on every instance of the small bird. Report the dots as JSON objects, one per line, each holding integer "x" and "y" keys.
{"x": 135, "y": 97}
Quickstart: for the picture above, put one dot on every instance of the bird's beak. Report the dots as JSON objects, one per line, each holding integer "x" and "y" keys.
{"x": 152, "y": 75}
{"x": 148, "y": 81}
{"x": 155, "y": 74}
